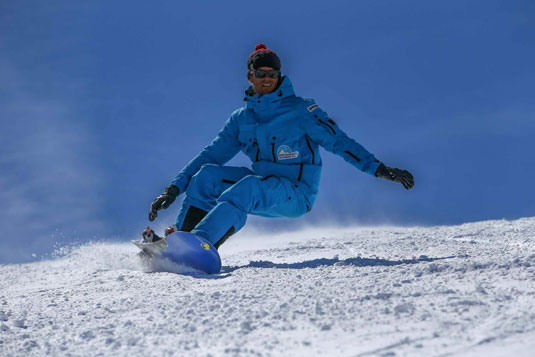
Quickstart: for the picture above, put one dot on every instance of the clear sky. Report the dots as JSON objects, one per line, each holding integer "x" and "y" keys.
{"x": 103, "y": 102}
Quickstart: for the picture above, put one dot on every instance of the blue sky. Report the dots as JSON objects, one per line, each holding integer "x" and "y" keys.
{"x": 102, "y": 103}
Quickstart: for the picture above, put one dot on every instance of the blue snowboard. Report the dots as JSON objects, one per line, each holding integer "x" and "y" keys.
{"x": 186, "y": 249}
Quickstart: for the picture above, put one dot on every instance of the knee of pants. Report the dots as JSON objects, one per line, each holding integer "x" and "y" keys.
{"x": 211, "y": 180}
{"x": 206, "y": 174}
{"x": 245, "y": 195}
{"x": 203, "y": 181}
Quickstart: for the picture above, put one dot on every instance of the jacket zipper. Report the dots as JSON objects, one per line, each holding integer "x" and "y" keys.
{"x": 328, "y": 126}
{"x": 273, "y": 152}
{"x": 257, "y": 150}
{"x": 312, "y": 151}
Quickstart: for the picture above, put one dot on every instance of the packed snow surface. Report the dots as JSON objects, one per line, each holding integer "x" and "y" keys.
{"x": 465, "y": 290}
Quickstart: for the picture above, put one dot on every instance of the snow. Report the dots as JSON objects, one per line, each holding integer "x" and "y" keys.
{"x": 466, "y": 290}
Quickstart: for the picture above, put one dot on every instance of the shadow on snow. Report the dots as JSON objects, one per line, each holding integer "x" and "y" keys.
{"x": 325, "y": 262}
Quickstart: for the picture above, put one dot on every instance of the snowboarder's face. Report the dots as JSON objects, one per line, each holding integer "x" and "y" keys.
{"x": 263, "y": 85}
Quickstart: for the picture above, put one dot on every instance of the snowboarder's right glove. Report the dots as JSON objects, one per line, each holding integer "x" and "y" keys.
{"x": 163, "y": 201}
{"x": 397, "y": 175}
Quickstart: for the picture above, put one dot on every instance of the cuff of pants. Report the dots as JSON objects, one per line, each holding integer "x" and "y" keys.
{"x": 214, "y": 226}
{"x": 188, "y": 202}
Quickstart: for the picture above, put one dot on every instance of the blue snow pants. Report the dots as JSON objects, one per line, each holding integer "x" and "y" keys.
{"x": 229, "y": 194}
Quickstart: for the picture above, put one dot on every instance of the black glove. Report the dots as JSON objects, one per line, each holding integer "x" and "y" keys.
{"x": 163, "y": 201}
{"x": 397, "y": 175}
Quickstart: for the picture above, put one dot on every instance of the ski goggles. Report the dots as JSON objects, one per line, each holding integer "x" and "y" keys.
{"x": 260, "y": 73}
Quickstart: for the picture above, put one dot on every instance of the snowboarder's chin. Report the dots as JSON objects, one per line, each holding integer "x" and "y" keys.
{"x": 265, "y": 89}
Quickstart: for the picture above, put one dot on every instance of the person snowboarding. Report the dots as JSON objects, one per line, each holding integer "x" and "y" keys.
{"x": 281, "y": 134}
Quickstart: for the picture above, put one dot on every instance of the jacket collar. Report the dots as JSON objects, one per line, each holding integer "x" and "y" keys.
{"x": 258, "y": 101}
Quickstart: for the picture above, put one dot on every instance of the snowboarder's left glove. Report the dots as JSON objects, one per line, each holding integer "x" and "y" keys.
{"x": 397, "y": 175}
{"x": 163, "y": 201}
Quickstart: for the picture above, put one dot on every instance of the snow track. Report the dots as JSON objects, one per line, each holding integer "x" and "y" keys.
{"x": 383, "y": 291}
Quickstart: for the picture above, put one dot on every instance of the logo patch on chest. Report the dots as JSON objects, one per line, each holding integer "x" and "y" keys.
{"x": 284, "y": 152}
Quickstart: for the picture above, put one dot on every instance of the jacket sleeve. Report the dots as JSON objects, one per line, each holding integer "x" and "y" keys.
{"x": 324, "y": 131}
{"x": 223, "y": 148}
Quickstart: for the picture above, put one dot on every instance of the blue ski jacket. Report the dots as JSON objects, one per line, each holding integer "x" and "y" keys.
{"x": 281, "y": 134}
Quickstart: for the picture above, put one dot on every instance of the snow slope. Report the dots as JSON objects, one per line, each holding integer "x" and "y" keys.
{"x": 465, "y": 290}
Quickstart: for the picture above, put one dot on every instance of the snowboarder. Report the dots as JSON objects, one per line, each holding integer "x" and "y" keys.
{"x": 281, "y": 134}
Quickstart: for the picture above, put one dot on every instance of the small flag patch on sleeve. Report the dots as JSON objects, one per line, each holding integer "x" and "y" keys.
{"x": 312, "y": 107}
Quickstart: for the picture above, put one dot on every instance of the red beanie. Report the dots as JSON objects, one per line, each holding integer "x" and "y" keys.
{"x": 263, "y": 57}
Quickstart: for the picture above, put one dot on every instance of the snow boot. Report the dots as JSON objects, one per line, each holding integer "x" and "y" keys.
{"x": 169, "y": 230}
